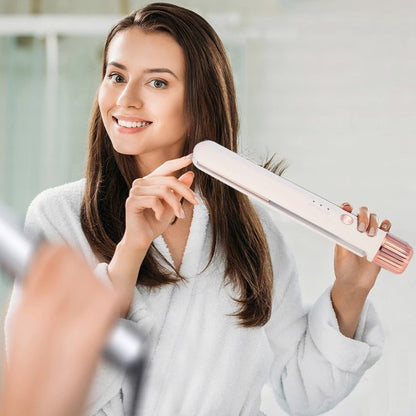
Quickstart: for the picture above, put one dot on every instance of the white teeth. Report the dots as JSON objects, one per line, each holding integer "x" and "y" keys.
{"x": 132, "y": 124}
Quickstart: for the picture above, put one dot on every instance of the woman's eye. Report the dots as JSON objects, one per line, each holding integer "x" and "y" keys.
{"x": 116, "y": 78}
{"x": 157, "y": 83}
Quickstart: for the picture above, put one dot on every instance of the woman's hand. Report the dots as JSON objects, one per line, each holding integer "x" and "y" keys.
{"x": 355, "y": 276}
{"x": 351, "y": 269}
{"x": 153, "y": 203}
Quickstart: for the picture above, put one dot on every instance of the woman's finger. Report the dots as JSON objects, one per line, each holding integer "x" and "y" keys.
{"x": 140, "y": 203}
{"x": 385, "y": 225}
{"x": 372, "y": 225}
{"x": 187, "y": 178}
{"x": 346, "y": 206}
{"x": 163, "y": 193}
{"x": 179, "y": 187}
{"x": 367, "y": 222}
{"x": 363, "y": 220}
{"x": 171, "y": 166}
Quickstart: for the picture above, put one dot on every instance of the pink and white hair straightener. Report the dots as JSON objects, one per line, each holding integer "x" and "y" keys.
{"x": 309, "y": 209}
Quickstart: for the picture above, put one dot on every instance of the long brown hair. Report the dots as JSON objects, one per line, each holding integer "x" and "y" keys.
{"x": 210, "y": 105}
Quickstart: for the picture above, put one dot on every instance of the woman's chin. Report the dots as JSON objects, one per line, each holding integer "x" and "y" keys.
{"x": 125, "y": 150}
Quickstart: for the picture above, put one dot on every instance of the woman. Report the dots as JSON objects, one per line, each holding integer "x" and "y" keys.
{"x": 195, "y": 264}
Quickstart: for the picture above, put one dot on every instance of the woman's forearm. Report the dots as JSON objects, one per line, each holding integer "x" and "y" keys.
{"x": 123, "y": 271}
{"x": 348, "y": 303}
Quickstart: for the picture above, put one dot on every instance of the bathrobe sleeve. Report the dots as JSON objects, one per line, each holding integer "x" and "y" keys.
{"x": 314, "y": 366}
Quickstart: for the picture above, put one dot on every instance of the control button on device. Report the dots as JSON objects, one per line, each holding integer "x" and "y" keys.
{"x": 347, "y": 219}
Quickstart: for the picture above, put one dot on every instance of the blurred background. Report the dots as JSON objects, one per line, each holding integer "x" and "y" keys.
{"x": 327, "y": 85}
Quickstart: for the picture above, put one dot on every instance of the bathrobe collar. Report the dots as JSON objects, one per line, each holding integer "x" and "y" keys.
{"x": 191, "y": 262}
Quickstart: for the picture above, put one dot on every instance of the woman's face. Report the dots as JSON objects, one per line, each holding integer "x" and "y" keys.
{"x": 141, "y": 97}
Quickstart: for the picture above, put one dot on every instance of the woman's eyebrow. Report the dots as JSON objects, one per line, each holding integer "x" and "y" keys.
{"x": 116, "y": 64}
{"x": 147, "y": 71}
{"x": 166, "y": 70}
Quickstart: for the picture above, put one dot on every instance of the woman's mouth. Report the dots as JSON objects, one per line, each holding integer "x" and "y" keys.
{"x": 132, "y": 124}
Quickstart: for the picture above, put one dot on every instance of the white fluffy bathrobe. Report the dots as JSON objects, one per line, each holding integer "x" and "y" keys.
{"x": 202, "y": 362}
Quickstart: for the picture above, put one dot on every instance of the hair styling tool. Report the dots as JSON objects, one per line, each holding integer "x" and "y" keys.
{"x": 126, "y": 347}
{"x": 309, "y": 209}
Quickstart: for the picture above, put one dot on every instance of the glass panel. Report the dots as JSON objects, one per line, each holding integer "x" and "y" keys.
{"x": 43, "y": 146}
{"x": 22, "y": 87}
{"x": 37, "y": 139}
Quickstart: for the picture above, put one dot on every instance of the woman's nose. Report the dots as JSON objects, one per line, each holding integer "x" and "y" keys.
{"x": 130, "y": 96}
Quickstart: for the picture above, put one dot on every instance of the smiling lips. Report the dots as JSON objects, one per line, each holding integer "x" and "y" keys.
{"x": 132, "y": 124}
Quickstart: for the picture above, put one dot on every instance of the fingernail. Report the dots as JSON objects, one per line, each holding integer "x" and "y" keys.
{"x": 372, "y": 232}
{"x": 182, "y": 213}
{"x": 188, "y": 156}
{"x": 361, "y": 227}
{"x": 384, "y": 227}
